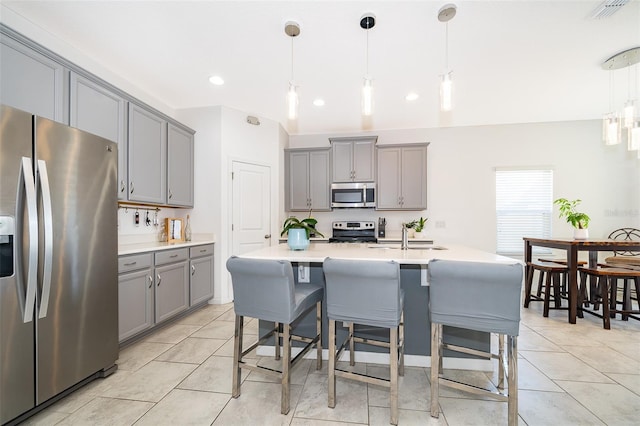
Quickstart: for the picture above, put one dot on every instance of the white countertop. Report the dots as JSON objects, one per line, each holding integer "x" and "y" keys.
{"x": 133, "y": 248}
{"x": 422, "y": 256}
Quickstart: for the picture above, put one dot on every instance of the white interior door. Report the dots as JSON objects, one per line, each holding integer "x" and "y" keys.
{"x": 251, "y": 195}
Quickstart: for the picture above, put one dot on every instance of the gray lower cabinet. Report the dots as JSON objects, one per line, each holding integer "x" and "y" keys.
{"x": 179, "y": 167}
{"x": 201, "y": 281}
{"x": 402, "y": 177}
{"x": 308, "y": 179}
{"x": 135, "y": 295}
{"x": 31, "y": 81}
{"x": 172, "y": 283}
{"x": 147, "y": 156}
{"x": 353, "y": 159}
{"x": 98, "y": 110}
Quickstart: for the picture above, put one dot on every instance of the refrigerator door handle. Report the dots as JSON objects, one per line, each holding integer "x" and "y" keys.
{"x": 48, "y": 237}
{"x": 26, "y": 173}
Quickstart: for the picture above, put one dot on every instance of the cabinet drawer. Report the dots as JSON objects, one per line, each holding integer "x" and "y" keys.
{"x": 171, "y": 256}
{"x": 134, "y": 262}
{"x": 199, "y": 251}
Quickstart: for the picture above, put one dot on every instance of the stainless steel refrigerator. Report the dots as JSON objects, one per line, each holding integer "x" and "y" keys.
{"x": 58, "y": 260}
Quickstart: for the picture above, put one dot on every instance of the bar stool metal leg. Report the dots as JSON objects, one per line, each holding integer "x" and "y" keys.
{"x": 501, "y": 359}
{"x": 352, "y": 346}
{"x": 435, "y": 367}
{"x": 276, "y": 336}
{"x": 512, "y": 353}
{"x": 286, "y": 365}
{"x": 237, "y": 351}
{"x": 332, "y": 364}
{"x": 319, "y": 332}
{"x": 393, "y": 364}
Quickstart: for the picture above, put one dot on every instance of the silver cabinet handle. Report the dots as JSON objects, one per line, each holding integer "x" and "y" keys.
{"x": 170, "y": 194}
{"x": 48, "y": 237}
{"x": 159, "y": 280}
{"x": 266, "y": 237}
{"x": 203, "y": 250}
{"x": 121, "y": 186}
{"x": 26, "y": 175}
{"x": 193, "y": 269}
{"x": 173, "y": 255}
{"x": 130, "y": 263}
{"x": 150, "y": 281}
{"x": 131, "y": 185}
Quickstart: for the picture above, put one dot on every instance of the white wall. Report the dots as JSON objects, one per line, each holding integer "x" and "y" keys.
{"x": 461, "y": 183}
{"x": 223, "y": 136}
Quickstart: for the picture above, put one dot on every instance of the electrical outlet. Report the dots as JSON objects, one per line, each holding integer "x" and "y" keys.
{"x": 303, "y": 273}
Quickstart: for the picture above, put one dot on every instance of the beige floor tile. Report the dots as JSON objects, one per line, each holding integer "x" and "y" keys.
{"x": 140, "y": 353}
{"x": 150, "y": 383}
{"x": 472, "y": 377}
{"x": 564, "y": 366}
{"x": 629, "y": 381}
{"x": 630, "y": 348}
{"x": 474, "y": 412}
{"x": 379, "y": 416}
{"x": 192, "y": 350}
{"x": 108, "y": 411}
{"x": 605, "y": 359}
{"x": 259, "y": 404}
{"x": 553, "y": 409}
{"x": 351, "y": 400}
{"x": 45, "y": 418}
{"x": 227, "y": 348}
{"x": 413, "y": 388}
{"x": 185, "y": 407}
{"x": 216, "y": 330}
{"x": 230, "y": 316}
{"x": 213, "y": 375}
{"x": 298, "y": 374}
{"x": 529, "y": 340}
{"x": 611, "y": 403}
{"x": 173, "y": 333}
{"x": 203, "y": 316}
{"x": 296, "y": 421}
{"x": 529, "y": 378}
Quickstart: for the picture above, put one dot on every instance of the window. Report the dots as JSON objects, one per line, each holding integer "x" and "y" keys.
{"x": 524, "y": 207}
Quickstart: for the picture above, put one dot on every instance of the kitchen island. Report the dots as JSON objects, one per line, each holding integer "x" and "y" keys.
{"x": 413, "y": 266}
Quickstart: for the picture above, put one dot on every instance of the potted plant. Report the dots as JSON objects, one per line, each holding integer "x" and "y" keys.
{"x": 579, "y": 220}
{"x": 419, "y": 227}
{"x": 298, "y": 232}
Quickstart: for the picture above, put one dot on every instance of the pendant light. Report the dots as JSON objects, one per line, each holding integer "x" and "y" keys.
{"x": 367, "y": 22}
{"x": 611, "y": 130}
{"x": 445, "y": 14}
{"x": 292, "y": 29}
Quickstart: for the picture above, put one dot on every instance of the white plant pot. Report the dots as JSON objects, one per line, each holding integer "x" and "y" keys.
{"x": 420, "y": 235}
{"x": 580, "y": 234}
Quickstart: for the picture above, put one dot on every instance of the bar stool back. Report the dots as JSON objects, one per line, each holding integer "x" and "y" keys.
{"x": 366, "y": 293}
{"x": 476, "y": 296}
{"x": 265, "y": 289}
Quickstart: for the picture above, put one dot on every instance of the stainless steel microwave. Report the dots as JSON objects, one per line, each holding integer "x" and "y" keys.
{"x": 353, "y": 194}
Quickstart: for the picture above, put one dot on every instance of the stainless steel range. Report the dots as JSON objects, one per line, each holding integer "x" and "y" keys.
{"x": 354, "y": 232}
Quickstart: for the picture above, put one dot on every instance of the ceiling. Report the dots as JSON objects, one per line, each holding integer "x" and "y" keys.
{"x": 512, "y": 61}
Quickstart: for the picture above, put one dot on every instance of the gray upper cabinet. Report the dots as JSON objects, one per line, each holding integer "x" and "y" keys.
{"x": 147, "y": 156}
{"x": 308, "y": 180}
{"x": 179, "y": 167}
{"x": 402, "y": 177}
{"x": 98, "y": 110}
{"x": 32, "y": 82}
{"x": 353, "y": 159}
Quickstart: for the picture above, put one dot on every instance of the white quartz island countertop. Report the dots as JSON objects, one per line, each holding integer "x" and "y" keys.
{"x": 417, "y": 254}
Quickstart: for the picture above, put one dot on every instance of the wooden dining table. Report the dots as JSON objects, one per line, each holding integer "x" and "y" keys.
{"x": 572, "y": 247}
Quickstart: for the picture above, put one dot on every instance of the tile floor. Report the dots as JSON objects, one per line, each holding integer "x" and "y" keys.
{"x": 569, "y": 374}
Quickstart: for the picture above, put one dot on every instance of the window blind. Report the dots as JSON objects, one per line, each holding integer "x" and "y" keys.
{"x": 524, "y": 206}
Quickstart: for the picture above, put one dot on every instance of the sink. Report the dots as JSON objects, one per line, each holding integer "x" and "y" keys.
{"x": 411, "y": 247}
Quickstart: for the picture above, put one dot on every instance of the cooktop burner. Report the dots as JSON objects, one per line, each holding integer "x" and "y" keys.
{"x": 354, "y": 232}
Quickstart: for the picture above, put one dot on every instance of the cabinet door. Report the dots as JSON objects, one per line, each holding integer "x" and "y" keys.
{"x": 98, "y": 110}
{"x": 179, "y": 167}
{"x": 319, "y": 180}
{"x": 298, "y": 181}
{"x": 201, "y": 280}
{"x": 363, "y": 160}
{"x": 388, "y": 183}
{"x": 342, "y": 153}
{"x": 147, "y": 156}
{"x": 135, "y": 303}
{"x": 31, "y": 81}
{"x": 414, "y": 178}
{"x": 171, "y": 290}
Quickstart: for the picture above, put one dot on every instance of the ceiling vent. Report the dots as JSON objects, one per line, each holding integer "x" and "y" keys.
{"x": 607, "y": 8}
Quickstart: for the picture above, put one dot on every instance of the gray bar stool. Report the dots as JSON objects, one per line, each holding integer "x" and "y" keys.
{"x": 482, "y": 297}
{"x": 365, "y": 293}
{"x": 265, "y": 289}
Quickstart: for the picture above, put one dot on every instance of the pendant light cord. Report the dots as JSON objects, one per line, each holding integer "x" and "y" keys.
{"x": 446, "y": 49}
{"x": 367, "y": 53}
{"x": 292, "y": 59}
{"x": 610, "y": 91}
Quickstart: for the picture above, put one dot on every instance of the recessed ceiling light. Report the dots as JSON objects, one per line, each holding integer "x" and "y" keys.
{"x": 412, "y": 96}
{"x": 318, "y": 102}
{"x": 216, "y": 80}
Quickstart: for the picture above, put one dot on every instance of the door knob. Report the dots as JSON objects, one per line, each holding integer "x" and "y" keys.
{"x": 266, "y": 237}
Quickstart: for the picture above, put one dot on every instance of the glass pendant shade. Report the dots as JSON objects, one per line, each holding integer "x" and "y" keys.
{"x": 611, "y": 131}
{"x": 367, "y": 97}
{"x": 633, "y": 141}
{"x": 446, "y": 92}
{"x": 628, "y": 114}
{"x": 292, "y": 102}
